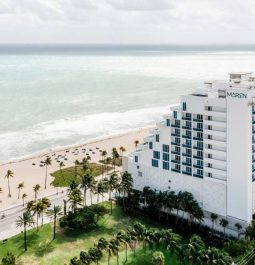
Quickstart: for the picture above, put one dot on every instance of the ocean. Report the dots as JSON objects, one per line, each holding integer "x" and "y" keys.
{"x": 55, "y": 96}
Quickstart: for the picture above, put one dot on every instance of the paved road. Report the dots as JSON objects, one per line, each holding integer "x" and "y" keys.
{"x": 8, "y": 224}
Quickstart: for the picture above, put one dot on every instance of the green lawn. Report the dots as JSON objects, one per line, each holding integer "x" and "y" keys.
{"x": 63, "y": 178}
{"x": 43, "y": 251}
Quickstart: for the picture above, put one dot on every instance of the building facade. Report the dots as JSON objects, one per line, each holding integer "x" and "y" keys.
{"x": 205, "y": 145}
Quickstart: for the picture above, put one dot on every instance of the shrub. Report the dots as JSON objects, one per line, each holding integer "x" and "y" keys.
{"x": 9, "y": 259}
{"x": 83, "y": 219}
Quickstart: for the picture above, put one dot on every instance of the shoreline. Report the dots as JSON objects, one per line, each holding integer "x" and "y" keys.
{"x": 71, "y": 146}
{"x": 29, "y": 170}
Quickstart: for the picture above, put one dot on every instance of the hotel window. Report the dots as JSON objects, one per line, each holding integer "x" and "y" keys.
{"x": 209, "y": 175}
{"x": 209, "y": 155}
{"x": 177, "y": 140}
{"x": 209, "y": 108}
{"x": 188, "y": 151}
{"x": 156, "y": 155}
{"x": 209, "y": 137}
{"x": 209, "y": 165}
{"x": 168, "y": 122}
{"x": 175, "y": 114}
{"x": 178, "y": 158}
{"x": 157, "y": 138}
{"x": 188, "y": 169}
{"x": 150, "y": 145}
{"x": 200, "y": 125}
{"x": 165, "y": 165}
{"x": 209, "y": 127}
{"x": 154, "y": 163}
{"x": 136, "y": 159}
{"x": 184, "y": 106}
{"x": 199, "y": 116}
{"x": 199, "y": 153}
{"x": 188, "y": 142}
{"x": 209, "y": 118}
{"x": 165, "y": 148}
{"x": 177, "y": 149}
{"x": 165, "y": 156}
{"x": 200, "y": 172}
{"x": 177, "y": 167}
{"x": 200, "y": 144}
{"x": 209, "y": 146}
{"x": 200, "y": 163}
{"x": 199, "y": 135}
{"x": 188, "y": 160}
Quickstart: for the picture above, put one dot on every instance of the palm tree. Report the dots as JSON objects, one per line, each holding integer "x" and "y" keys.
{"x": 122, "y": 150}
{"x": 54, "y": 213}
{"x": 61, "y": 165}
{"x": 112, "y": 184}
{"x": 102, "y": 244}
{"x": 86, "y": 181}
{"x": 115, "y": 156}
{"x": 26, "y": 221}
{"x": 158, "y": 258}
{"x": 36, "y": 189}
{"x": 20, "y": 186}
{"x": 9, "y": 175}
{"x": 113, "y": 249}
{"x": 37, "y": 209}
{"x": 76, "y": 164}
{"x": 95, "y": 254}
{"x": 24, "y": 195}
{"x": 213, "y": 218}
{"x": 100, "y": 189}
{"x": 224, "y": 224}
{"x": 136, "y": 142}
{"x": 47, "y": 163}
{"x": 103, "y": 154}
{"x": 126, "y": 185}
{"x": 121, "y": 239}
{"x": 238, "y": 227}
{"x": 84, "y": 258}
{"x": 170, "y": 240}
{"x": 46, "y": 204}
{"x": 107, "y": 162}
{"x": 75, "y": 199}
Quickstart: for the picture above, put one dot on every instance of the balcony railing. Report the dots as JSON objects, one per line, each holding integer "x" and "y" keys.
{"x": 198, "y": 176}
{"x": 175, "y": 152}
{"x": 175, "y": 161}
{"x": 186, "y": 136}
{"x": 185, "y": 154}
{"x": 186, "y": 163}
{"x": 198, "y": 166}
{"x": 175, "y": 143}
{"x": 187, "y": 173}
{"x": 175, "y": 170}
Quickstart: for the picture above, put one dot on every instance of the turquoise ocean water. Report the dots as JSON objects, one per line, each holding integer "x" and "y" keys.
{"x": 54, "y": 96}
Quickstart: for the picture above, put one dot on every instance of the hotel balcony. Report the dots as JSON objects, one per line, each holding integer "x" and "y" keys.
{"x": 215, "y": 113}
{"x": 175, "y": 152}
{"x": 186, "y": 127}
{"x": 220, "y": 162}
{"x": 176, "y": 170}
{"x": 197, "y": 175}
{"x": 175, "y": 143}
{"x": 197, "y": 120}
{"x": 198, "y": 166}
{"x": 215, "y": 143}
{"x": 186, "y": 145}
{"x": 197, "y": 129}
{"x": 175, "y": 134}
{"x": 215, "y": 132}
{"x": 213, "y": 151}
{"x": 221, "y": 124}
{"x": 187, "y": 173}
{"x": 175, "y": 125}
{"x": 214, "y": 171}
{"x": 186, "y": 163}
{"x": 186, "y": 136}
{"x": 185, "y": 154}
{"x": 175, "y": 161}
{"x": 186, "y": 118}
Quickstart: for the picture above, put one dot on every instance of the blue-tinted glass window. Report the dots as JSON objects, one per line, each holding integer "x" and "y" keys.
{"x": 154, "y": 163}
{"x": 150, "y": 145}
{"x": 167, "y": 122}
{"x": 157, "y": 138}
{"x": 165, "y": 148}
{"x": 175, "y": 114}
{"x": 136, "y": 159}
{"x": 165, "y": 165}
{"x": 184, "y": 106}
{"x": 165, "y": 156}
{"x": 156, "y": 155}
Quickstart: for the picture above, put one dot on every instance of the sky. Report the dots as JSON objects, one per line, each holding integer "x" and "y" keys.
{"x": 127, "y": 21}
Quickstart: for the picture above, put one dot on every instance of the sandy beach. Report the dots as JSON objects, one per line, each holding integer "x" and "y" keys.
{"x": 29, "y": 171}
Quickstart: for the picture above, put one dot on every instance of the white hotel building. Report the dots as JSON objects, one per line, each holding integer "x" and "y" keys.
{"x": 205, "y": 145}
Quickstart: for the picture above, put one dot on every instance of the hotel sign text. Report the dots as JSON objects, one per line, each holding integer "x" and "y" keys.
{"x": 236, "y": 95}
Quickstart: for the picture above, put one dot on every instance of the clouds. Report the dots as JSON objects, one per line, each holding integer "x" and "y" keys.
{"x": 127, "y": 21}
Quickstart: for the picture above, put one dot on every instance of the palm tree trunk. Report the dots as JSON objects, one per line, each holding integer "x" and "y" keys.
{"x": 25, "y": 237}
{"x": 9, "y": 187}
{"x": 45, "y": 186}
{"x": 109, "y": 259}
{"x": 37, "y": 218}
{"x": 54, "y": 229}
{"x": 126, "y": 253}
{"x": 134, "y": 248}
{"x": 90, "y": 197}
{"x": 42, "y": 218}
{"x": 110, "y": 198}
{"x": 19, "y": 194}
{"x": 84, "y": 197}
